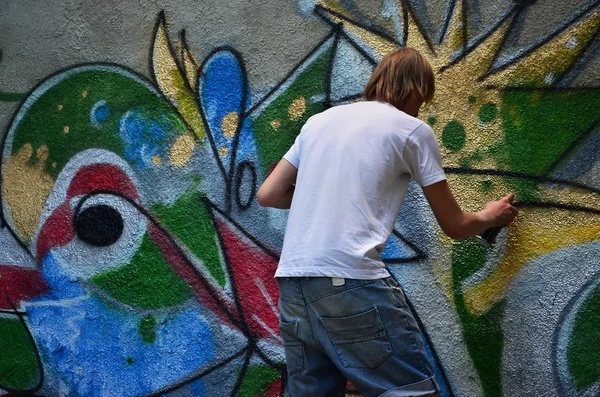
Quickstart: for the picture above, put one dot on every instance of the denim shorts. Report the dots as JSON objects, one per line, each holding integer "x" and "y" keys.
{"x": 362, "y": 331}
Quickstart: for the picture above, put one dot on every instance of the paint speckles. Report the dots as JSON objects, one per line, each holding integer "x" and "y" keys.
{"x": 99, "y": 113}
{"x": 148, "y": 329}
{"x": 223, "y": 150}
{"x": 129, "y": 360}
{"x": 275, "y": 124}
{"x": 182, "y": 149}
{"x": 572, "y": 43}
{"x": 145, "y": 139}
{"x": 66, "y": 129}
{"x": 454, "y": 135}
{"x": 22, "y": 171}
{"x": 488, "y": 112}
{"x": 229, "y": 124}
{"x": 297, "y": 108}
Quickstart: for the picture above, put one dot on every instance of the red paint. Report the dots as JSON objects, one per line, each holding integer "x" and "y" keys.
{"x": 101, "y": 177}
{"x": 19, "y": 283}
{"x": 205, "y": 292}
{"x": 274, "y": 389}
{"x": 252, "y": 270}
{"x": 57, "y": 231}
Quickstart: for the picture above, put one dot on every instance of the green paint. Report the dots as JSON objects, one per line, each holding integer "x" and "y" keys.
{"x": 273, "y": 144}
{"x": 129, "y": 360}
{"x": 488, "y": 112}
{"x": 257, "y": 380}
{"x": 188, "y": 219}
{"x": 539, "y": 127}
{"x": 472, "y": 99}
{"x": 583, "y": 361}
{"x": 431, "y": 120}
{"x": 486, "y": 186}
{"x": 483, "y": 334}
{"x": 19, "y": 369}
{"x": 147, "y": 282}
{"x": 148, "y": 329}
{"x": 454, "y": 135}
{"x": 44, "y": 123}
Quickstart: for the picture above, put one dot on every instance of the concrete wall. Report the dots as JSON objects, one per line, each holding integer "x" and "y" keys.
{"x": 135, "y": 259}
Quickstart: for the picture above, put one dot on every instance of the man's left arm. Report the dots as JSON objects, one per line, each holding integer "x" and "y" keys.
{"x": 278, "y": 189}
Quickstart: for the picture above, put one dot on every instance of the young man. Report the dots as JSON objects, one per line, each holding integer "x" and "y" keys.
{"x": 342, "y": 315}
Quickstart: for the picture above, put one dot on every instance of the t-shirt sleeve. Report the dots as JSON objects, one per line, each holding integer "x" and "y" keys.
{"x": 293, "y": 155}
{"x": 422, "y": 156}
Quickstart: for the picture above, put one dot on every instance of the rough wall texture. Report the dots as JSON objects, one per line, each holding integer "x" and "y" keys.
{"x": 135, "y": 259}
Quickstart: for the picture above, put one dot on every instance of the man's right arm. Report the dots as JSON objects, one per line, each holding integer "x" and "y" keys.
{"x": 456, "y": 223}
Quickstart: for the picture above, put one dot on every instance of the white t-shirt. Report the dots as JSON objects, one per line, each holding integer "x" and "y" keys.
{"x": 354, "y": 165}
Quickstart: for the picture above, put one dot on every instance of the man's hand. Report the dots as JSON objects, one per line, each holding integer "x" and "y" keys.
{"x": 278, "y": 189}
{"x": 501, "y": 212}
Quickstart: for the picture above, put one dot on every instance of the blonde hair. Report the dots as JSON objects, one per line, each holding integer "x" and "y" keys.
{"x": 398, "y": 74}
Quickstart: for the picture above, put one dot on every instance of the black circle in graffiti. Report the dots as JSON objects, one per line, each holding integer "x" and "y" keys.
{"x": 245, "y": 168}
{"x": 99, "y": 225}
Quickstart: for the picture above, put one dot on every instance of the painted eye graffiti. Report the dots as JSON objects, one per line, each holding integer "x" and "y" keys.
{"x": 99, "y": 225}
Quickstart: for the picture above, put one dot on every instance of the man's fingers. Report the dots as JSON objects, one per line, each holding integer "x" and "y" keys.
{"x": 509, "y": 198}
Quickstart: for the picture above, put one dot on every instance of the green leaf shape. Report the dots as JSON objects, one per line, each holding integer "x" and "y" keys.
{"x": 273, "y": 144}
{"x": 257, "y": 381}
{"x": 190, "y": 221}
{"x": 147, "y": 282}
{"x": 582, "y": 360}
{"x": 483, "y": 334}
{"x": 19, "y": 366}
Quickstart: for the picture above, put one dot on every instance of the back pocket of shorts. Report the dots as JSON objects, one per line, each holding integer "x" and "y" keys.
{"x": 359, "y": 340}
{"x": 294, "y": 353}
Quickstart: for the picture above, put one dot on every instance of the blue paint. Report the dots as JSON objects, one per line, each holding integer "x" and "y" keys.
{"x": 79, "y": 334}
{"x": 144, "y": 138}
{"x": 99, "y": 113}
{"x": 221, "y": 92}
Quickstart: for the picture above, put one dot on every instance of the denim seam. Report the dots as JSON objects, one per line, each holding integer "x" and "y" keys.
{"x": 312, "y": 329}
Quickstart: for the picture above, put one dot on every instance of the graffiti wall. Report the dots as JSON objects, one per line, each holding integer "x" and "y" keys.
{"x": 136, "y": 261}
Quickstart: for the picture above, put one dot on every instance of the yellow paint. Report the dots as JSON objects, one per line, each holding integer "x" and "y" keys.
{"x": 223, "y": 150}
{"x": 454, "y": 85}
{"x": 182, "y": 149}
{"x": 172, "y": 81}
{"x": 26, "y": 188}
{"x": 556, "y": 56}
{"x": 84, "y": 94}
{"x": 229, "y": 124}
{"x": 297, "y": 108}
{"x": 156, "y": 160}
{"x": 275, "y": 124}
{"x": 60, "y": 107}
{"x": 190, "y": 64}
{"x": 535, "y": 232}
{"x": 66, "y": 129}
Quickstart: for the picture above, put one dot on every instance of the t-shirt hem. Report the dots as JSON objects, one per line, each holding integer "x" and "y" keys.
{"x": 433, "y": 178}
{"x": 291, "y": 160}
{"x": 359, "y": 274}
